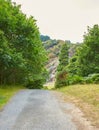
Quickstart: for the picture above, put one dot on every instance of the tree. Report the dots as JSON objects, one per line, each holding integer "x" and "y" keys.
{"x": 88, "y": 59}
{"x": 83, "y": 65}
{"x": 63, "y": 62}
{"x": 22, "y": 56}
{"x": 63, "y": 57}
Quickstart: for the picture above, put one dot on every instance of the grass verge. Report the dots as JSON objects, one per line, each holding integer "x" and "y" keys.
{"x": 6, "y": 92}
{"x": 86, "y": 97}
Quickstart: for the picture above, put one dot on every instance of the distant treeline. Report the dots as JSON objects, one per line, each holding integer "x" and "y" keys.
{"x": 44, "y": 38}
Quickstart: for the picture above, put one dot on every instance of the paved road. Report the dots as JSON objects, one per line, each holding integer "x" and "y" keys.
{"x": 35, "y": 110}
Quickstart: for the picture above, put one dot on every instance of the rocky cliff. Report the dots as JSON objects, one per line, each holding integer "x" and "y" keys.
{"x": 53, "y": 48}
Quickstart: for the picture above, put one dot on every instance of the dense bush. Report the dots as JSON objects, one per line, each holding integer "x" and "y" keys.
{"x": 74, "y": 79}
{"x": 68, "y": 80}
{"x": 37, "y": 84}
{"x": 95, "y": 77}
{"x": 92, "y": 78}
{"x": 61, "y": 83}
{"x": 61, "y": 79}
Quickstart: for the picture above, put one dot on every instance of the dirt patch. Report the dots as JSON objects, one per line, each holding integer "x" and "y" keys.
{"x": 78, "y": 117}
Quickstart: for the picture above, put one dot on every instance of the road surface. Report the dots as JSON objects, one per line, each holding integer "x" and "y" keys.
{"x": 35, "y": 110}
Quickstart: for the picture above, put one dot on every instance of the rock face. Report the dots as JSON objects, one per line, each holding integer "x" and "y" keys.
{"x": 53, "y": 48}
{"x": 52, "y": 67}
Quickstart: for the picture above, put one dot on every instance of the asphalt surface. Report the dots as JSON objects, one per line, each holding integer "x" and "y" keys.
{"x": 35, "y": 110}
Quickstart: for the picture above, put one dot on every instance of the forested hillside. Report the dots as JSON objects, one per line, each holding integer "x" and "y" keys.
{"x": 53, "y": 48}
{"x": 83, "y": 66}
{"x": 22, "y": 56}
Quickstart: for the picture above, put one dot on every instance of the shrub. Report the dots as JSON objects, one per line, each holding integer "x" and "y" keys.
{"x": 61, "y": 79}
{"x": 87, "y": 80}
{"x": 91, "y": 78}
{"x": 70, "y": 79}
{"x": 94, "y": 77}
{"x": 37, "y": 84}
{"x": 75, "y": 79}
{"x": 61, "y": 83}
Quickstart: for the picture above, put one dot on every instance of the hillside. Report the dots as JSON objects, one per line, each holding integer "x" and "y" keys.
{"x": 53, "y": 48}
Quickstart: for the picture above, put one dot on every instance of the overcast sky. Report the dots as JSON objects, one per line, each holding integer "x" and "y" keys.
{"x": 62, "y": 19}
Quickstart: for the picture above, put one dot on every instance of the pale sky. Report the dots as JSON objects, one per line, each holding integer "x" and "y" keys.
{"x": 62, "y": 19}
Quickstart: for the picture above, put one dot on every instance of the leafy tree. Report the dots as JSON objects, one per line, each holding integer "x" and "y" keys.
{"x": 22, "y": 56}
{"x": 88, "y": 59}
{"x": 63, "y": 57}
{"x": 63, "y": 61}
{"x": 83, "y": 66}
{"x": 85, "y": 62}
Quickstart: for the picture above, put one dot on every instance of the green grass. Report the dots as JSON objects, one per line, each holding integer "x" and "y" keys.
{"x": 86, "y": 97}
{"x": 6, "y": 93}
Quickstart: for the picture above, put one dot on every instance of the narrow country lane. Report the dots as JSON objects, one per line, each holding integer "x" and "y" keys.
{"x": 37, "y": 110}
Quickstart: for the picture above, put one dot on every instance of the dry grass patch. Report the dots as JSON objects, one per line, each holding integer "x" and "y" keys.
{"x": 86, "y": 97}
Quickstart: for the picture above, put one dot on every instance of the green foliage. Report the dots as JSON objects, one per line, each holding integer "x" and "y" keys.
{"x": 63, "y": 57}
{"x": 88, "y": 53}
{"x": 92, "y": 78}
{"x": 74, "y": 79}
{"x": 49, "y": 44}
{"x": 38, "y": 80}
{"x": 61, "y": 79}
{"x": 44, "y": 38}
{"x": 63, "y": 61}
{"x": 21, "y": 52}
{"x": 37, "y": 84}
{"x": 72, "y": 67}
{"x": 82, "y": 66}
{"x": 53, "y": 46}
{"x": 95, "y": 78}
